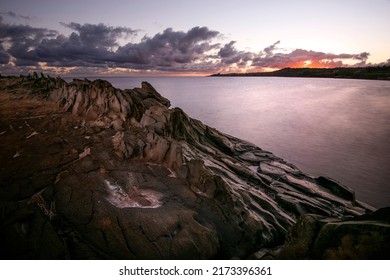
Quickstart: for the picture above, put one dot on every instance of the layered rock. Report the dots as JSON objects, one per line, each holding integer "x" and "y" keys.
{"x": 320, "y": 237}
{"x": 91, "y": 171}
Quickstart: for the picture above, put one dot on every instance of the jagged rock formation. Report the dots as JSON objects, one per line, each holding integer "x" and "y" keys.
{"x": 91, "y": 171}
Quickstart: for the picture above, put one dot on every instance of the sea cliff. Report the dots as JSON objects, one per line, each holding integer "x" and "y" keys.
{"x": 89, "y": 171}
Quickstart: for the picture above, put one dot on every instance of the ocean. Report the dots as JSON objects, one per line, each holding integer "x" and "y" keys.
{"x": 338, "y": 128}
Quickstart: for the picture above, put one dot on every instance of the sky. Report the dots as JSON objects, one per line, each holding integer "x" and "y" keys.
{"x": 172, "y": 37}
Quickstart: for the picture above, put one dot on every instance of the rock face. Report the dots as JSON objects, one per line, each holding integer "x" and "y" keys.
{"x": 319, "y": 237}
{"x": 89, "y": 171}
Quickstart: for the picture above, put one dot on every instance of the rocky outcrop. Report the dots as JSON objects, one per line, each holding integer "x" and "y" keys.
{"x": 91, "y": 171}
{"x": 319, "y": 237}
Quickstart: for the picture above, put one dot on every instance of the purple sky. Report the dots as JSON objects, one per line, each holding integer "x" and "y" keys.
{"x": 144, "y": 37}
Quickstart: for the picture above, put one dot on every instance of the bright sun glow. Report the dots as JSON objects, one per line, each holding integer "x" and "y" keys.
{"x": 307, "y": 63}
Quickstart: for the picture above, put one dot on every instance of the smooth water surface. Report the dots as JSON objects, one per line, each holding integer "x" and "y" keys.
{"x": 334, "y": 127}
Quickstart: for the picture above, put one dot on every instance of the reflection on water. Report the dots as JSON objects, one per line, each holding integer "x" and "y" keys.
{"x": 338, "y": 128}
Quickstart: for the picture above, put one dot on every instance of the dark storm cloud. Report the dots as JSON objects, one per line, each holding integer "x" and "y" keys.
{"x": 4, "y": 57}
{"x": 169, "y": 49}
{"x": 98, "y": 35}
{"x": 19, "y": 40}
{"x": 24, "y": 33}
{"x": 89, "y": 45}
{"x": 228, "y": 50}
{"x": 230, "y": 55}
{"x": 97, "y": 46}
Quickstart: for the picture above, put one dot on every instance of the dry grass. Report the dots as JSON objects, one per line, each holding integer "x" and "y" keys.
{"x": 18, "y": 106}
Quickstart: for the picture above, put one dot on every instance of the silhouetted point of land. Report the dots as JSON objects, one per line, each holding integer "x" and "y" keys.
{"x": 369, "y": 73}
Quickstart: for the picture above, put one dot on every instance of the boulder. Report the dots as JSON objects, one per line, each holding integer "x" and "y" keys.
{"x": 318, "y": 237}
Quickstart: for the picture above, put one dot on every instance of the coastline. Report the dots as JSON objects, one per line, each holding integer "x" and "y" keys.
{"x": 364, "y": 73}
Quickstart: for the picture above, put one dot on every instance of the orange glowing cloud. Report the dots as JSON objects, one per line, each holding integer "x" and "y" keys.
{"x": 300, "y": 58}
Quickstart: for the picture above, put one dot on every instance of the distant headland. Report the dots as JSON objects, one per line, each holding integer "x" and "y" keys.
{"x": 368, "y": 73}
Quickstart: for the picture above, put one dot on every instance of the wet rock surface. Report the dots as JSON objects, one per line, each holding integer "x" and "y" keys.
{"x": 89, "y": 171}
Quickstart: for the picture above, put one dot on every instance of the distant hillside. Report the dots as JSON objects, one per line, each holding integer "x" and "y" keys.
{"x": 371, "y": 73}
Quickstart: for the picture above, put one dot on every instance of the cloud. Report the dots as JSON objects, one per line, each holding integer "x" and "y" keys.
{"x": 88, "y": 45}
{"x": 168, "y": 50}
{"x": 18, "y": 40}
{"x": 385, "y": 63}
{"x": 270, "y": 58}
{"x": 230, "y": 55}
{"x": 98, "y": 46}
{"x": 362, "y": 56}
{"x": 17, "y": 16}
{"x": 269, "y": 50}
{"x": 228, "y": 50}
{"x": 4, "y": 57}
{"x": 304, "y": 58}
{"x": 98, "y": 35}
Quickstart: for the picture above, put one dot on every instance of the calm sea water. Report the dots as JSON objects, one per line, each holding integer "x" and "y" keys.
{"x": 334, "y": 127}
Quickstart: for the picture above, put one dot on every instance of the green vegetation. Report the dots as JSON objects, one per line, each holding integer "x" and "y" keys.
{"x": 370, "y": 73}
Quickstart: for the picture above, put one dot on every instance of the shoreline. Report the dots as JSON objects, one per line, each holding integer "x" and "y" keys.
{"x": 360, "y": 73}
